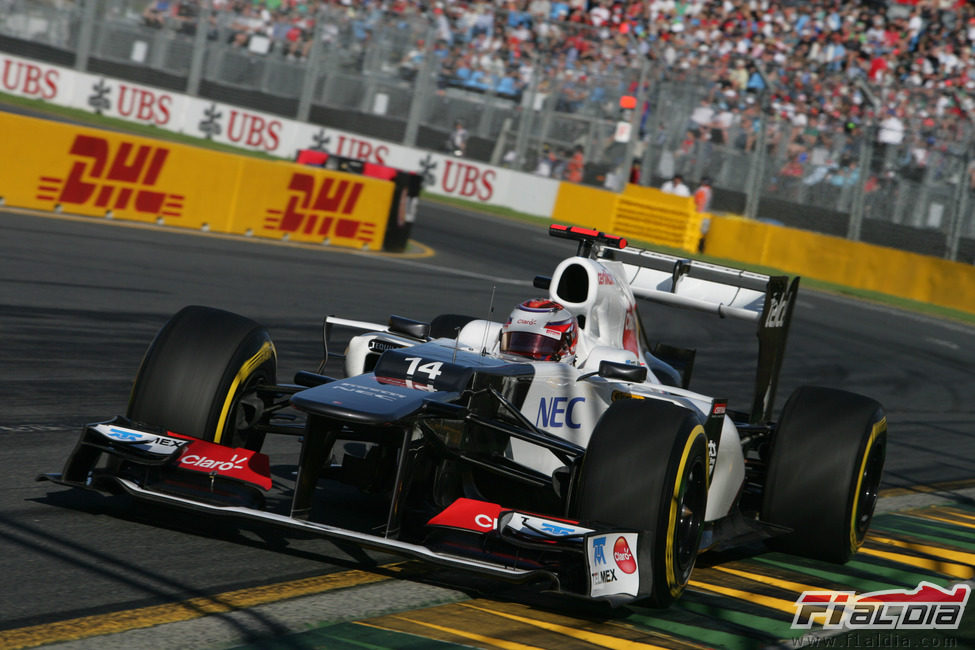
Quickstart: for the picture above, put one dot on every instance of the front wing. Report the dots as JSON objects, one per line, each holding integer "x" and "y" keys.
{"x": 590, "y": 561}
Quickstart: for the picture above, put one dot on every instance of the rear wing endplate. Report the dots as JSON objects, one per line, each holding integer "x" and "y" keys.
{"x": 767, "y": 300}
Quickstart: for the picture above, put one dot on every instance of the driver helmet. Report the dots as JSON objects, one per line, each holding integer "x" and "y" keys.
{"x": 540, "y": 329}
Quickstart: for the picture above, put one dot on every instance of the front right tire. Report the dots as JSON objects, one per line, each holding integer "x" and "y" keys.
{"x": 646, "y": 469}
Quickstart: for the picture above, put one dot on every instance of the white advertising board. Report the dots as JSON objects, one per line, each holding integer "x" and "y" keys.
{"x": 444, "y": 174}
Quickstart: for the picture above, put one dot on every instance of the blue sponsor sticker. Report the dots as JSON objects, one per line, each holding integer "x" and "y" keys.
{"x": 558, "y": 412}
{"x": 126, "y": 436}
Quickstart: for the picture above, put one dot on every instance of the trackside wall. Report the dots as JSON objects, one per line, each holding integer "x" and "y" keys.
{"x": 304, "y": 208}
{"x": 651, "y": 215}
{"x": 852, "y": 264}
{"x": 444, "y": 174}
{"x": 55, "y": 166}
{"x": 639, "y": 212}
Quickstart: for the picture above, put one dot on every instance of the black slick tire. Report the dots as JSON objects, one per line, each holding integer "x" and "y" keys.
{"x": 826, "y": 460}
{"x": 199, "y": 374}
{"x": 645, "y": 469}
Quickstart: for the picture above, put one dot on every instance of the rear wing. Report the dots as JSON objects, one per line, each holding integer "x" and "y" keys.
{"x": 766, "y": 300}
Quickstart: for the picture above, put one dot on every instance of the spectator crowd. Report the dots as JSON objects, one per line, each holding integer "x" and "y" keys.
{"x": 820, "y": 67}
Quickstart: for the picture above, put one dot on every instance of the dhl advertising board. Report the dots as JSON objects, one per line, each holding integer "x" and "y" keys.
{"x": 78, "y": 170}
{"x": 301, "y": 203}
{"x": 270, "y": 134}
{"x": 99, "y": 173}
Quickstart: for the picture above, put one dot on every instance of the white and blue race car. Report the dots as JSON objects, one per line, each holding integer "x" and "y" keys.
{"x": 557, "y": 445}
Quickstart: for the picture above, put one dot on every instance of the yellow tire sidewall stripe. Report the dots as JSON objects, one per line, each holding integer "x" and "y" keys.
{"x": 266, "y": 352}
{"x": 669, "y": 563}
{"x": 879, "y": 427}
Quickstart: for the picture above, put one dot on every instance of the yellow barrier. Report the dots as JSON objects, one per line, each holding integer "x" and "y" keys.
{"x": 848, "y": 263}
{"x": 301, "y": 203}
{"x": 639, "y": 212}
{"x": 61, "y": 167}
{"x": 649, "y": 214}
{"x": 585, "y": 206}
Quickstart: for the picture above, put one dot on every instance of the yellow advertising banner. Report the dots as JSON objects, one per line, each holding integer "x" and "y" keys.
{"x": 55, "y": 166}
{"x": 310, "y": 204}
{"x": 848, "y": 263}
{"x": 78, "y": 170}
{"x": 643, "y": 213}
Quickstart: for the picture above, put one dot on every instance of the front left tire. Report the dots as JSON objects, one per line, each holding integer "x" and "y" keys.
{"x": 200, "y": 374}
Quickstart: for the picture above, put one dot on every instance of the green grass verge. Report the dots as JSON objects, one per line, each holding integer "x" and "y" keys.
{"x": 115, "y": 124}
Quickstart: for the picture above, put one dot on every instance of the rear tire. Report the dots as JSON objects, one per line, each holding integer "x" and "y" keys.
{"x": 645, "y": 468}
{"x": 824, "y": 472}
{"x": 199, "y": 375}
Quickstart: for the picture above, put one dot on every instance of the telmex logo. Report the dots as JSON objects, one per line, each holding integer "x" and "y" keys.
{"x": 313, "y": 208}
{"x": 114, "y": 180}
{"x": 601, "y": 576}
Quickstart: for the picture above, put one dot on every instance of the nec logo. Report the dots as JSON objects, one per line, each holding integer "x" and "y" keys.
{"x": 557, "y": 412}
{"x": 313, "y": 208}
{"x": 114, "y": 180}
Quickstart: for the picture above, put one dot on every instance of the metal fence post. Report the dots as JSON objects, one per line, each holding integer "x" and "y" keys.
{"x": 756, "y": 167}
{"x": 641, "y": 98}
{"x": 487, "y": 114}
{"x": 548, "y": 110}
{"x": 865, "y": 163}
{"x": 653, "y": 131}
{"x": 859, "y": 190}
{"x": 310, "y": 77}
{"x": 960, "y": 205}
{"x": 526, "y": 118}
{"x": 421, "y": 86}
{"x": 86, "y": 35}
{"x": 964, "y": 187}
{"x": 371, "y": 66}
{"x": 199, "y": 49}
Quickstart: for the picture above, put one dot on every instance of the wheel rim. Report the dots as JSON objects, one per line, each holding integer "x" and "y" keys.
{"x": 691, "y": 504}
{"x": 869, "y": 490}
{"x": 247, "y": 410}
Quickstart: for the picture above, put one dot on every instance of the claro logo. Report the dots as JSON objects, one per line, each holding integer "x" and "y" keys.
{"x": 318, "y": 208}
{"x": 120, "y": 178}
{"x": 623, "y": 556}
{"x": 203, "y": 462}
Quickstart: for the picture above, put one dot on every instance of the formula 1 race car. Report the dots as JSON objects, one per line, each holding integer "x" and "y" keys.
{"x": 557, "y": 445}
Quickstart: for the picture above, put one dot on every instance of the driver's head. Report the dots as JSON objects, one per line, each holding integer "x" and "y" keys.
{"x": 540, "y": 329}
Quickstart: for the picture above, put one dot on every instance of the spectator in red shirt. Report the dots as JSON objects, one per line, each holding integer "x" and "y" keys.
{"x": 574, "y": 169}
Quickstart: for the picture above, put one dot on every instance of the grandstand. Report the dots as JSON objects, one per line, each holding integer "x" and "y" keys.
{"x": 823, "y": 114}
